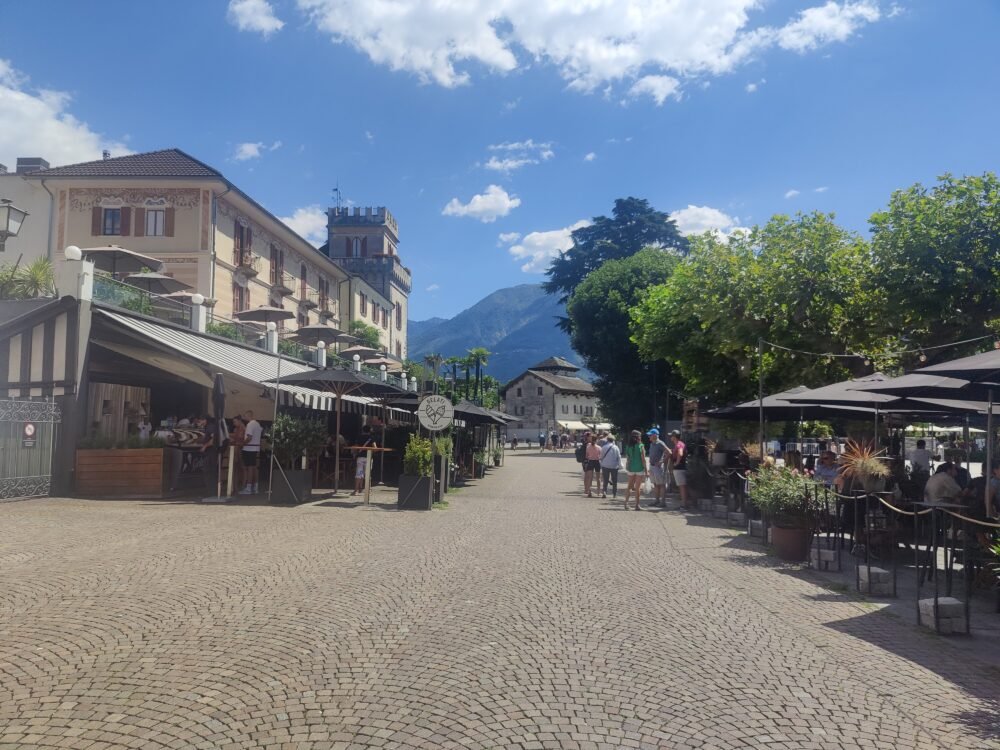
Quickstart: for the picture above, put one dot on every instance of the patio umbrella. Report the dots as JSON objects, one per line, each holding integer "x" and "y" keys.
{"x": 219, "y": 410}
{"x": 778, "y": 408}
{"x": 184, "y": 294}
{"x": 342, "y": 383}
{"x": 359, "y": 349}
{"x": 114, "y": 260}
{"x": 390, "y": 364}
{"x": 156, "y": 283}
{"x": 263, "y": 314}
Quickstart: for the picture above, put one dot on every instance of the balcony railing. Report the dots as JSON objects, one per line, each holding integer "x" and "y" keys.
{"x": 283, "y": 282}
{"x": 309, "y": 299}
{"x": 119, "y": 294}
{"x": 246, "y": 261}
{"x": 233, "y": 330}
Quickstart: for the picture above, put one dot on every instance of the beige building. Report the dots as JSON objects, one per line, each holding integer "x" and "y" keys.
{"x": 551, "y": 397}
{"x": 209, "y": 234}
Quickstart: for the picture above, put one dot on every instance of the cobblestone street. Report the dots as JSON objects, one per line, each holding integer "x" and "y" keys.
{"x": 524, "y": 615}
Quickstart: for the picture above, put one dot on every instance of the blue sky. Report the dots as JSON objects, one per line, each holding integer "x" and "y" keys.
{"x": 492, "y": 128}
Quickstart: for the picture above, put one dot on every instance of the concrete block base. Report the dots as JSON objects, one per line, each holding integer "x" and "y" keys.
{"x": 737, "y": 519}
{"x": 720, "y": 511}
{"x": 705, "y": 503}
{"x": 757, "y": 529}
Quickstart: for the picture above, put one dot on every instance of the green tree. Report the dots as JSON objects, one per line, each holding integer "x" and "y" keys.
{"x": 600, "y": 311}
{"x": 479, "y": 357}
{"x": 936, "y": 252}
{"x": 366, "y": 334}
{"x": 37, "y": 279}
{"x": 433, "y": 364}
{"x": 800, "y": 283}
{"x": 633, "y": 225}
{"x": 453, "y": 363}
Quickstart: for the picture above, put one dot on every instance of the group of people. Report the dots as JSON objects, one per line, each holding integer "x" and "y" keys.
{"x": 245, "y": 435}
{"x": 603, "y": 459}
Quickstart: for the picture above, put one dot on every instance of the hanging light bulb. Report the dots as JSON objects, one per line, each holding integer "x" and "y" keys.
{"x": 867, "y": 362}
{"x": 923, "y": 357}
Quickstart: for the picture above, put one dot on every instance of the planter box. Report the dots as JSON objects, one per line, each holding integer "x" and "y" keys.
{"x": 414, "y": 493}
{"x": 121, "y": 472}
{"x": 791, "y": 544}
{"x": 297, "y": 489}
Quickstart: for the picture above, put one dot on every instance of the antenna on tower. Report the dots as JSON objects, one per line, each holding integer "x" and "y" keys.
{"x": 338, "y": 196}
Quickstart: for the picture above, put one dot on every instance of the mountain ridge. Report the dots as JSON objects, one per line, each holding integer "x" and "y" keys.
{"x": 518, "y": 324}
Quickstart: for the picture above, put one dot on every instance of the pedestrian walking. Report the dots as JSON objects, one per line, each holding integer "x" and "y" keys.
{"x": 250, "y": 453}
{"x": 635, "y": 466}
{"x": 237, "y": 438}
{"x": 679, "y": 457}
{"x": 541, "y": 442}
{"x": 591, "y": 464}
{"x": 657, "y": 468}
{"x": 611, "y": 461}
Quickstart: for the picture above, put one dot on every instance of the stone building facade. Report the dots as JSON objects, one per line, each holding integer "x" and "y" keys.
{"x": 551, "y": 397}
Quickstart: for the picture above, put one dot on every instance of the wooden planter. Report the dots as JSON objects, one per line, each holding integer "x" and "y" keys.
{"x": 121, "y": 472}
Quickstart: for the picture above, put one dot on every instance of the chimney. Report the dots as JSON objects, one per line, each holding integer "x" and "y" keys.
{"x": 26, "y": 164}
{"x": 106, "y": 154}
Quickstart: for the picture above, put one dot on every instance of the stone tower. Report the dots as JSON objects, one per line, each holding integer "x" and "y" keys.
{"x": 364, "y": 241}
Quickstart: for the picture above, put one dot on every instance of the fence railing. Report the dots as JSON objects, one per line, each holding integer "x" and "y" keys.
{"x": 120, "y": 294}
{"x": 233, "y": 330}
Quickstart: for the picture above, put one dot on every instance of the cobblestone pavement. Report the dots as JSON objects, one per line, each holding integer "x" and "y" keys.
{"x": 524, "y": 615}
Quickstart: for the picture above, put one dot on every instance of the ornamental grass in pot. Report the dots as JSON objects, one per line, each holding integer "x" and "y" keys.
{"x": 863, "y": 466}
{"x": 789, "y": 500}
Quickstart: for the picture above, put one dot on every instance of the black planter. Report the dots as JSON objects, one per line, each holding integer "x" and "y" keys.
{"x": 299, "y": 482}
{"x": 414, "y": 493}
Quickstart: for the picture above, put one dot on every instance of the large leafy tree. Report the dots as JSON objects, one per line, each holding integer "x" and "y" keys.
{"x": 366, "y": 334}
{"x": 600, "y": 310}
{"x": 937, "y": 253}
{"x": 800, "y": 283}
{"x": 633, "y": 225}
{"x": 479, "y": 357}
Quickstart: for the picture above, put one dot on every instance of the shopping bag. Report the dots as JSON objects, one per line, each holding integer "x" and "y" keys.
{"x": 647, "y": 487}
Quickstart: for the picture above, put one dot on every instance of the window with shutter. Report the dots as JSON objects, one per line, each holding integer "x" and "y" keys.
{"x": 364, "y": 247}
{"x": 96, "y": 221}
{"x": 399, "y": 317}
{"x": 111, "y": 223}
{"x": 168, "y": 222}
{"x": 125, "y": 228}
{"x": 303, "y": 281}
{"x": 140, "y": 222}
{"x": 347, "y": 247}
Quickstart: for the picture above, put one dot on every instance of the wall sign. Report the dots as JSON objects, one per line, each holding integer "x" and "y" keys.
{"x": 435, "y": 413}
{"x": 28, "y": 435}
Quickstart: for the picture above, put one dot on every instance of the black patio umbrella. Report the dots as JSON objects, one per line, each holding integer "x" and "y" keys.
{"x": 156, "y": 283}
{"x": 221, "y": 433}
{"x": 313, "y": 334}
{"x": 359, "y": 349}
{"x": 115, "y": 260}
{"x": 924, "y": 385}
{"x": 341, "y": 383}
{"x": 263, "y": 314}
{"x": 778, "y": 408}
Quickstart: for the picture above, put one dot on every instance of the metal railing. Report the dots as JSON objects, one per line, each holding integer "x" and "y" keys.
{"x": 310, "y": 299}
{"x": 246, "y": 261}
{"x": 233, "y": 330}
{"x": 283, "y": 282}
{"x": 116, "y": 293}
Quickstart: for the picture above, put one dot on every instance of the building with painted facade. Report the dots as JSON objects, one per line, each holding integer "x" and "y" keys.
{"x": 551, "y": 397}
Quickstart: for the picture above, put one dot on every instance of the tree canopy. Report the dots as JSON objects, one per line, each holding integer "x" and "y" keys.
{"x": 366, "y": 334}
{"x": 600, "y": 310}
{"x": 633, "y": 225}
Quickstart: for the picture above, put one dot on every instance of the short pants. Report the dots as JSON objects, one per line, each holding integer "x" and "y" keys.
{"x": 359, "y": 472}
{"x": 681, "y": 477}
{"x": 657, "y": 475}
{"x": 250, "y": 458}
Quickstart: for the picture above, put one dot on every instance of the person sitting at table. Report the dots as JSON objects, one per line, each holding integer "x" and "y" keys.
{"x": 942, "y": 486}
{"x": 920, "y": 459}
{"x": 826, "y": 471}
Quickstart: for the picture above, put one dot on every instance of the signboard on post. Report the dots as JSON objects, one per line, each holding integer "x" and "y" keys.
{"x": 28, "y": 435}
{"x": 435, "y": 413}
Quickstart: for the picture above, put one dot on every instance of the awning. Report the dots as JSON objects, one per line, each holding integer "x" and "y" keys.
{"x": 237, "y": 361}
{"x": 572, "y": 424}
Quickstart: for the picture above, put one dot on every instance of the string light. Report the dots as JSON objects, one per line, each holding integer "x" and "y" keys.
{"x": 919, "y": 351}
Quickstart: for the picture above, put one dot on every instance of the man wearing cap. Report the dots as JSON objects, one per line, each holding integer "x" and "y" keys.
{"x": 678, "y": 455}
{"x": 657, "y": 452}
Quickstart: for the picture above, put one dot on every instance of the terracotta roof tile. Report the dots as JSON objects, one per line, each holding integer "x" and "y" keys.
{"x": 171, "y": 162}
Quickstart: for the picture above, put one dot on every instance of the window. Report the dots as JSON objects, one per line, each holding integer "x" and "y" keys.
{"x": 399, "y": 317}
{"x": 277, "y": 264}
{"x": 565, "y": 408}
{"x": 385, "y": 319}
{"x": 363, "y": 304}
{"x": 303, "y": 280}
{"x": 356, "y": 248}
{"x": 518, "y": 392}
{"x": 240, "y": 297}
{"x": 539, "y": 390}
{"x": 111, "y": 221}
{"x": 575, "y": 407}
{"x": 399, "y": 350}
{"x": 155, "y": 222}
{"x": 541, "y": 411}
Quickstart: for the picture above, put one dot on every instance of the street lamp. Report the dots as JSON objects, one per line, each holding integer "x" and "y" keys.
{"x": 11, "y": 219}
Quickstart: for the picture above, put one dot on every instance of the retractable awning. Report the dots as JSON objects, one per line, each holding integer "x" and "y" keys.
{"x": 243, "y": 363}
{"x": 572, "y": 424}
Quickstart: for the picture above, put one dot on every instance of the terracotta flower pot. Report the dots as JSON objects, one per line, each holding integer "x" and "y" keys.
{"x": 791, "y": 543}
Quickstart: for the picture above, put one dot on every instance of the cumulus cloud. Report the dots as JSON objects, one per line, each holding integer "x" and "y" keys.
{"x": 254, "y": 15}
{"x": 791, "y": 193}
{"x": 432, "y": 288}
{"x": 822, "y": 189}
{"x": 590, "y": 156}
{"x": 506, "y": 238}
{"x": 649, "y": 50}
{"x": 488, "y": 206}
{"x": 247, "y": 151}
{"x": 35, "y": 122}
{"x": 308, "y": 222}
{"x": 369, "y": 136}
{"x": 537, "y": 249}
{"x": 752, "y": 87}
{"x": 514, "y": 155}
{"x": 658, "y": 88}
{"x": 699, "y": 219}
{"x": 508, "y": 165}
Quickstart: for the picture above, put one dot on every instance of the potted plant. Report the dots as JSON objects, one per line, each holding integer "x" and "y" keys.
{"x": 497, "y": 455}
{"x": 415, "y": 481}
{"x": 789, "y": 500}
{"x": 864, "y": 466}
{"x": 718, "y": 457}
{"x": 480, "y": 457}
{"x": 129, "y": 467}
{"x": 292, "y": 439}
{"x": 442, "y": 460}
{"x": 751, "y": 451}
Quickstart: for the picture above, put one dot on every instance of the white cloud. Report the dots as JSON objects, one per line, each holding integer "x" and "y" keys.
{"x": 369, "y": 136}
{"x": 508, "y": 165}
{"x": 254, "y": 15}
{"x": 659, "y": 88}
{"x": 35, "y": 122}
{"x": 247, "y": 151}
{"x": 752, "y": 87}
{"x": 528, "y": 145}
{"x": 487, "y": 206}
{"x": 309, "y": 222}
{"x": 511, "y": 105}
{"x": 832, "y": 22}
{"x": 537, "y": 249}
{"x": 791, "y": 193}
{"x": 506, "y": 238}
{"x": 649, "y": 47}
{"x": 433, "y": 288}
{"x": 590, "y": 156}
{"x": 699, "y": 219}
{"x": 821, "y": 189}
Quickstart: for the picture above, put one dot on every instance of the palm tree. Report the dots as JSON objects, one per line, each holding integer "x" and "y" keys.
{"x": 479, "y": 357}
{"x": 453, "y": 362}
{"x": 433, "y": 363}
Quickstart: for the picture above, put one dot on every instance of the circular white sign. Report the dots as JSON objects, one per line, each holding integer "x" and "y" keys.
{"x": 435, "y": 413}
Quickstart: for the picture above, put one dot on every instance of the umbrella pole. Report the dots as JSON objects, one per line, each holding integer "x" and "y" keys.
{"x": 760, "y": 394}
{"x": 336, "y": 453}
{"x": 381, "y": 455}
{"x": 277, "y": 397}
{"x": 989, "y": 451}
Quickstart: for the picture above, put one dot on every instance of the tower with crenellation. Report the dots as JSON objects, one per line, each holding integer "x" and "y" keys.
{"x": 364, "y": 241}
